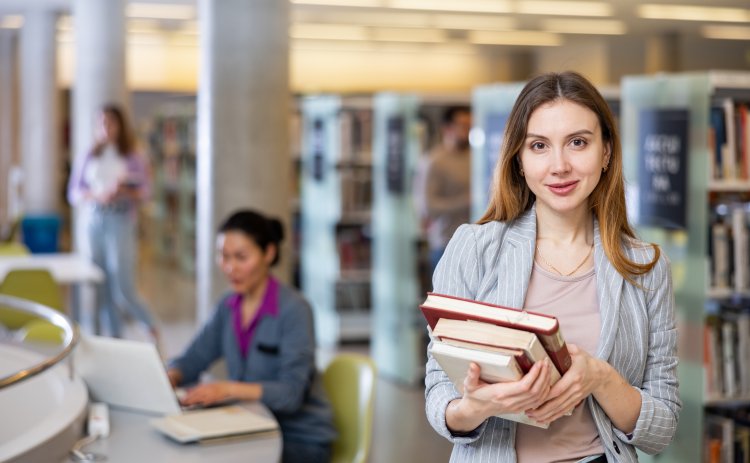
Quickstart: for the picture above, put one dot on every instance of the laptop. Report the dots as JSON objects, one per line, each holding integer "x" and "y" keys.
{"x": 130, "y": 375}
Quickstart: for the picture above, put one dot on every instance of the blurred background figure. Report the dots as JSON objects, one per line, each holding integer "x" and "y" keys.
{"x": 263, "y": 329}
{"x": 112, "y": 182}
{"x": 443, "y": 184}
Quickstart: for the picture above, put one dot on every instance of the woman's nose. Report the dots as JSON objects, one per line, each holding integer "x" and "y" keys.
{"x": 560, "y": 162}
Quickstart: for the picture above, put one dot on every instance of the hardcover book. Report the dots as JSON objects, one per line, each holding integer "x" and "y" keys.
{"x": 545, "y": 327}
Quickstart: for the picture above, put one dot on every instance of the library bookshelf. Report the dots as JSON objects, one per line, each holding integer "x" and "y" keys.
{"x": 700, "y": 219}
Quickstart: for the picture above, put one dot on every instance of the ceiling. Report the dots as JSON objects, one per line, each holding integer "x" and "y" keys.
{"x": 502, "y": 23}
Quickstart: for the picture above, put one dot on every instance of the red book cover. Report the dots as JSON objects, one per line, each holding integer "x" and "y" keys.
{"x": 546, "y": 327}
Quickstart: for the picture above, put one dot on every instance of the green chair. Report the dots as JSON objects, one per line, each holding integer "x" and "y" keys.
{"x": 35, "y": 285}
{"x": 40, "y": 331}
{"x": 349, "y": 381}
{"x": 13, "y": 248}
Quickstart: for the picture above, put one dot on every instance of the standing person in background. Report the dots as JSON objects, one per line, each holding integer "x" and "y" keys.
{"x": 443, "y": 183}
{"x": 263, "y": 329}
{"x": 113, "y": 181}
{"x": 555, "y": 239}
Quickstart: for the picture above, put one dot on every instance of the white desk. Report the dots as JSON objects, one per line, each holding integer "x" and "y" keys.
{"x": 66, "y": 268}
{"x": 132, "y": 439}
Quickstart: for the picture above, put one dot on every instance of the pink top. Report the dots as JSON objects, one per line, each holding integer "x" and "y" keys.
{"x": 574, "y": 302}
{"x": 269, "y": 306}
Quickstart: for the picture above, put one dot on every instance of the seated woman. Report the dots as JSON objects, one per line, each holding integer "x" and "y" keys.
{"x": 264, "y": 331}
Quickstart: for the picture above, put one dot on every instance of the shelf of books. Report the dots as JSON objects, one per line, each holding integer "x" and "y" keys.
{"x": 172, "y": 145}
{"x": 335, "y": 209}
{"x": 396, "y": 343}
{"x": 686, "y": 143}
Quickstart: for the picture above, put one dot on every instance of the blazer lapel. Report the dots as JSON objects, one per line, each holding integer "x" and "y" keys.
{"x": 609, "y": 287}
{"x": 516, "y": 260}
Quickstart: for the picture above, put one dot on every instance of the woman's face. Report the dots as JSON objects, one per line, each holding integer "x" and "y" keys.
{"x": 243, "y": 262}
{"x": 110, "y": 127}
{"x": 563, "y": 156}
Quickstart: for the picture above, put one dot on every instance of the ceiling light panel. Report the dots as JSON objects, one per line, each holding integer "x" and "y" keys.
{"x": 11, "y": 21}
{"x": 408, "y": 35}
{"x": 693, "y": 13}
{"x": 564, "y": 8}
{"x": 473, "y": 22}
{"x": 726, "y": 32}
{"x": 529, "y": 38}
{"x": 160, "y": 11}
{"x": 355, "y": 3}
{"x": 364, "y": 18}
{"x": 469, "y": 6}
{"x": 328, "y": 32}
{"x": 585, "y": 26}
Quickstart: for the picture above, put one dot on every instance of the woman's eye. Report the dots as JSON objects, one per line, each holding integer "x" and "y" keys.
{"x": 537, "y": 145}
{"x": 580, "y": 142}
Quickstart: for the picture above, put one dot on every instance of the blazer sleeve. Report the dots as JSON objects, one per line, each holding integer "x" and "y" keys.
{"x": 204, "y": 349}
{"x": 457, "y": 274}
{"x": 286, "y": 394}
{"x": 660, "y": 401}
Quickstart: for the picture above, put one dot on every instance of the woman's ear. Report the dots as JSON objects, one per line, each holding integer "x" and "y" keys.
{"x": 607, "y": 157}
{"x": 270, "y": 254}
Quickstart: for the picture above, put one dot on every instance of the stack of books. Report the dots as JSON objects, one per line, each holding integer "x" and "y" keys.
{"x": 504, "y": 342}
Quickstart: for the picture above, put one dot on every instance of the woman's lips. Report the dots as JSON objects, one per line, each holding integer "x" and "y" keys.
{"x": 562, "y": 188}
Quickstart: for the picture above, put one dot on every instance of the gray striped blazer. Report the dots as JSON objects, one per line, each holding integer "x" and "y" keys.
{"x": 492, "y": 262}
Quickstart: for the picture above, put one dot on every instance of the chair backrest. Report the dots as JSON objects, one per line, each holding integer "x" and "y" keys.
{"x": 350, "y": 383}
{"x": 40, "y": 331}
{"x": 13, "y": 248}
{"x": 32, "y": 284}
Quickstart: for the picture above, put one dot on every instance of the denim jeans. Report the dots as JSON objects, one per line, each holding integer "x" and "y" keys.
{"x": 113, "y": 248}
{"x": 305, "y": 452}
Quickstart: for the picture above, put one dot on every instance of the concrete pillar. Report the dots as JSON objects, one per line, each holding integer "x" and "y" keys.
{"x": 243, "y": 117}
{"x": 8, "y": 125}
{"x": 40, "y": 123}
{"x": 99, "y": 78}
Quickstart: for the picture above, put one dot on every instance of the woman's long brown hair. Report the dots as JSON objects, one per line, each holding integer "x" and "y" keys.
{"x": 124, "y": 140}
{"x": 511, "y": 196}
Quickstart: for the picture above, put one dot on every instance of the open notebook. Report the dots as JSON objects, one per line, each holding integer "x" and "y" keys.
{"x": 130, "y": 375}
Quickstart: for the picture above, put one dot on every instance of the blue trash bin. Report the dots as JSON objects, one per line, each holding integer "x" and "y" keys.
{"x": 40, "y": 232}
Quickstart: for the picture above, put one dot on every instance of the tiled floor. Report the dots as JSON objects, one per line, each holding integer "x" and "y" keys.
{"x": 401, "y": 432}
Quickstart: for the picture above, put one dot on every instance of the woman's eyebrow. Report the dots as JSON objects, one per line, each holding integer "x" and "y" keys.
{"x": 577, "y": 132}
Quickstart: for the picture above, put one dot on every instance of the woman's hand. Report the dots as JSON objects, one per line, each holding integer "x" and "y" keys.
{"x": 175, "y": 377}
{"x": 585, "y": 374}
{"x": 482, "y": 400}
{"x": 209, "y": 393}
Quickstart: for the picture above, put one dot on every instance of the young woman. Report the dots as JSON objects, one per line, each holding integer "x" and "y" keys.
{"x": 264, "y": 331}
{"x": 555, "y": 239}
{"x": 112, "y": 182}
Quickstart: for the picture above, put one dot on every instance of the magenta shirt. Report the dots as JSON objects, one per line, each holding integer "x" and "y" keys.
{"x": 269, "y": 306}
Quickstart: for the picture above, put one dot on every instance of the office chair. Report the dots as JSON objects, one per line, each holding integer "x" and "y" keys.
{"x": 35, "y": 285}
{"x": 349, "y": 381}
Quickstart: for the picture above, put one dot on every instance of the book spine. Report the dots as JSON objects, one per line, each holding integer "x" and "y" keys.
{"x": 729, "y": 350}
{"x": 741, "y": 261}
{"x": 557, "y": 350}
{"x": 720, "y": 258}
{"x": 743, "y": 352}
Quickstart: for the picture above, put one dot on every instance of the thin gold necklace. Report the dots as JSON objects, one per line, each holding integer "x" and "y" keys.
{"x": 539, "y": 253}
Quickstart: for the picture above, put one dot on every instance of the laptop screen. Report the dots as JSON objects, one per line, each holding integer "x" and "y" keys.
{"x": 125, "y": 374}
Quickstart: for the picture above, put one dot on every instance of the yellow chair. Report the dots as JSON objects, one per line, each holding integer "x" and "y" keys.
{"x": 40, "y": 331}
{"x": 350, "y": 383}
{"x": 13, "y": 248}
{"x": 34, "y": 285}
